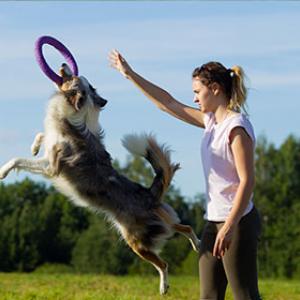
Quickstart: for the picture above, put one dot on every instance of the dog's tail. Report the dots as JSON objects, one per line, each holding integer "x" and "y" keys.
{"x": 159, "y": 157}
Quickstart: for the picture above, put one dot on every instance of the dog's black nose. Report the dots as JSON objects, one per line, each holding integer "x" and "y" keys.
{"x": 100, "y": 101}
{"x": 103, "y": 102}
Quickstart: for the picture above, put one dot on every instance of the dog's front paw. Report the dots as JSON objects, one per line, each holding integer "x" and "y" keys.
{"x": 2, "y": 174}
{"x": 34, "y": 150}
{"x": 4, "y": 170}
{"x": 36, "y": 145}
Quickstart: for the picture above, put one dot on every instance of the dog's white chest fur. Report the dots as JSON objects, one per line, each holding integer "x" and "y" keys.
{"x": 66, "y": 188}
{"x": 53, "y": 136}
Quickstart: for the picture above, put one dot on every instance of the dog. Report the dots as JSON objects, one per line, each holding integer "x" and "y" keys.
{"x": 78, "y": 165}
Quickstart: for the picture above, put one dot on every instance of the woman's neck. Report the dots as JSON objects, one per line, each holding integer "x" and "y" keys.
{"x": 221, "y": 113}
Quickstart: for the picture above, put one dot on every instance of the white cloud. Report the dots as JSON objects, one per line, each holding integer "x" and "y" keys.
{"x": 170, "y": 39}
{"x": 165, "y": 43}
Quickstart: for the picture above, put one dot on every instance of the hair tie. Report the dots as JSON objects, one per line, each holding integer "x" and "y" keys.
{"x": 231, "y": 72}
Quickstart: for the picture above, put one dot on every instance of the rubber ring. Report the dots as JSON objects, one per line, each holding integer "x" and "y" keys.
{"x": 42, "y": 61}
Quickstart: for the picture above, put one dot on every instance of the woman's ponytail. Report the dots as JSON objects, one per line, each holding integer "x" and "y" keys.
{"x": 238, "y": 90}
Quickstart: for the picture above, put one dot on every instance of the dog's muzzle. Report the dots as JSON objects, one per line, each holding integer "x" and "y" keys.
{"x": 100, "y": 101}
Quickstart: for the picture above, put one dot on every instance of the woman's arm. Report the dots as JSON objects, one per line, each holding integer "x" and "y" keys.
{"x": 161, "y": 98}
{"x": 242, "y": 149}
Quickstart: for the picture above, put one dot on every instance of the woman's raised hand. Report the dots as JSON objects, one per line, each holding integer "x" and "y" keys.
{"x": 119, "y": 63}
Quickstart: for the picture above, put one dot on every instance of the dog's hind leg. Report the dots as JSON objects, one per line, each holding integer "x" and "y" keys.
{"x": 188, "y": 232}
{"x": 159, "y": 264}
{"x": 38, "y": 166}
{"x": 36, "y": 145}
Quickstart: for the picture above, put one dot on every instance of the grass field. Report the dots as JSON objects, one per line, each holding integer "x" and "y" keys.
{"x": 82, "y": 287}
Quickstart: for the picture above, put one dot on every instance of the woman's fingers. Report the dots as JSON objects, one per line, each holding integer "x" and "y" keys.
{"x": 114, "y": 63}
{"x": 115, "y": 58}
{"x": 220, "y": 247}
{"x": 115, "y": 55}
{"x": 216, "y": 247}
{"x": 118, "y": 62}
{"x": 222, "y": 242}
{"x": 115, "y": 52}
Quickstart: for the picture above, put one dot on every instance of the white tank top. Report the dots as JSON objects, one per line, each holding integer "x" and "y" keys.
{"x": 218, "y": 164}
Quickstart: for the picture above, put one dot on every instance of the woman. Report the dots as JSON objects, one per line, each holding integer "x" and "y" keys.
{"x": 229, "y": 239}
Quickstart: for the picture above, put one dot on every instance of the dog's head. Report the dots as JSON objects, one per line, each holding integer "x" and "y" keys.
{"x": 78, "y": 92}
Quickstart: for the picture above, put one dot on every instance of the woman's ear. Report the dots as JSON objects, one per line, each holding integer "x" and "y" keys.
{"x": 215, "y": 88}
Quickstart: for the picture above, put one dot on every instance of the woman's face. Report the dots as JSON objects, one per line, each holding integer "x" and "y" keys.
{"x": 203, "y": 95}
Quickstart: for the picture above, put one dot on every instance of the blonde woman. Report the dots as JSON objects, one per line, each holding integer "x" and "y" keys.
{"x": 229, "y": 239}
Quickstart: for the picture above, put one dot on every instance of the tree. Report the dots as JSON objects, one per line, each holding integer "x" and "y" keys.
{"x": 61, "y": 225}
{"x": 277, "y": 197}
{"x": 99, "y": 249}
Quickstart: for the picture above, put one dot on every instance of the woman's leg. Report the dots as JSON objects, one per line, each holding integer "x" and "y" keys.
{"x": 240, "y": 259}
{"x": 213, "y": 280}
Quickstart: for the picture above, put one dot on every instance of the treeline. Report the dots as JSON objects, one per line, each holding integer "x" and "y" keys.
{"x": 40, "y": 227}
{"x": 277, "y": 196}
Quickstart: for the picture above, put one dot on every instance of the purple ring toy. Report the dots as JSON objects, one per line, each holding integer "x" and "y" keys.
{"x": 62, "y": 49}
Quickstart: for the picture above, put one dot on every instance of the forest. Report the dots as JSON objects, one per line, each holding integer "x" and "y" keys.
{"x": 41, "y": 230}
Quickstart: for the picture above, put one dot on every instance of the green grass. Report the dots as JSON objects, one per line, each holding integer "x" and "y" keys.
{"x": 97, "y": 287}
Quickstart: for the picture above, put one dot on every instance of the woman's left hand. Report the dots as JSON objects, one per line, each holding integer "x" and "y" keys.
{"x": 223, "y": 240}
{"x": 118, "y": 62}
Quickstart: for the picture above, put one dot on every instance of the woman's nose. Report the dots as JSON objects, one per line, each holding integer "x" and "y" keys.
{"x": 195, "y": 99}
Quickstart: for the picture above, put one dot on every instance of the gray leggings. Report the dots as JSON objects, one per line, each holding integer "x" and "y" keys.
{"x": 238, "y": 266}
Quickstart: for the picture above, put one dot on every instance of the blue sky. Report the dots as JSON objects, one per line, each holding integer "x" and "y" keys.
{"x": 163, "y": 41}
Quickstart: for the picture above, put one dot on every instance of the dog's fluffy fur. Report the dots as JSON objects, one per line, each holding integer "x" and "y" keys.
{"x": 77, "y": 163}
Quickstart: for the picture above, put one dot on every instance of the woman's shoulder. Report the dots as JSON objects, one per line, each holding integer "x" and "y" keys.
{"x": 239, "y": 117}
{"x": 241, "y": 120}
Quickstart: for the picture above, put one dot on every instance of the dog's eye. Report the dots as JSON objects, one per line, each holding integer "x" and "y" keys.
{"x": 70, "y": 93}
{"x": 83, "y": 93}
{"x": 92, "y": 88}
